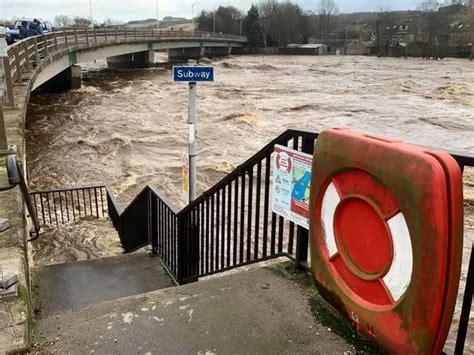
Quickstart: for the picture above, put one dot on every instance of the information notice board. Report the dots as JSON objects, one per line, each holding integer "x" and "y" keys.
{"x": 291, "y": 179}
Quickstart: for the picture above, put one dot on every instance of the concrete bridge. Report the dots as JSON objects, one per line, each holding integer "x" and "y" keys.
{"x": 54, "y": 56}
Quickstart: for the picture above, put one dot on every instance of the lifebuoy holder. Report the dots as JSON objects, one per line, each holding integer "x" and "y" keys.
{"x": 386, "y": 222}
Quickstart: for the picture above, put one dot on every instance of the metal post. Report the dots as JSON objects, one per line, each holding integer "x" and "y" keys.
{"x": 157, "y": 17}
{"x": 214, "y": 24}
{"x": 302, "y": 234}
{"x": 192, "y": 141}
{"x": 91, "y": 15}
{"x": 466, "y": 307}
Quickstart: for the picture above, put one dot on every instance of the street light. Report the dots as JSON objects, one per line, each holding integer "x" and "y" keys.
{"x": 214, "y": 21}
{"x": 157, "y": 17}
{"x": 192, "y": 14}
{"x": 90, "y": 10}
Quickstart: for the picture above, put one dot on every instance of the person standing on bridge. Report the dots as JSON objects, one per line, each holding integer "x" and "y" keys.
{"x": 23, "y": 30}
{"x": 38, "y": 28}
{"x": 34, "y": 29}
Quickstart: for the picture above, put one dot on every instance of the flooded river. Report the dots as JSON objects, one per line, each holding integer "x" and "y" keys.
{"x": 127, "y": 129}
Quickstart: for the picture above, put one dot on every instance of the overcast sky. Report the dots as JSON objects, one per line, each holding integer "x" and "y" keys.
{"x": 124, "y": 10}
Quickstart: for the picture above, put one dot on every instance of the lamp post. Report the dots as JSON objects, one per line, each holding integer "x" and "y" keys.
{"x": 214, "y": 23}
{"x": 91, "y": 15}
{"x": 157, "y": 17}
{"x": 192, "y": 14}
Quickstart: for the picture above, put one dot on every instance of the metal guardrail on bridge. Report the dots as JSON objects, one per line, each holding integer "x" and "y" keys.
{"x": 26, "y": 54}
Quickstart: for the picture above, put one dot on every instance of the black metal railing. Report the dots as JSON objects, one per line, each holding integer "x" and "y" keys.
{"x": 56, "y": 207}
{"x": 466, "y": 307}
{"x": 232, "y": 224}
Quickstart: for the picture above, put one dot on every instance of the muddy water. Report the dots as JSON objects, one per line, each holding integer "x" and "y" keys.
{"x": 128, "y": 129}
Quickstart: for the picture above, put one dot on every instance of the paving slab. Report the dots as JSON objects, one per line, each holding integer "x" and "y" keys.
{"x": 258, "y": 311}
{"x": 72, "y": 286}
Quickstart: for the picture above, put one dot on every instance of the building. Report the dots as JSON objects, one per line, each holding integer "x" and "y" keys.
{"x": 305, "y": 49}
{"x": 357, "y": 47}
{"x": 334, "y": 46}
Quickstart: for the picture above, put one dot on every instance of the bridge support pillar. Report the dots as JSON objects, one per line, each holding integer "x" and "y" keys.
{"x": 182, "y": 54}
{"x": 131, "y": 61}
{"x": 218, "y": 51}
{"x": 68, "y": 79}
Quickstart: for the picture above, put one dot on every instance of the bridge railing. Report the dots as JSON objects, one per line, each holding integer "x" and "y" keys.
{"x": 26, "y": 55}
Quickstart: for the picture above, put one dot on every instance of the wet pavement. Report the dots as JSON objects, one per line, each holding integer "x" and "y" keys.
{"x": 69, "y": 287}
{"x": 262, "y": 310}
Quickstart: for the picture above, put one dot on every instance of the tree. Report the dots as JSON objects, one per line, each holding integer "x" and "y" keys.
{"x": 250, "y": 27}
{"x": 327, "y": 11}
{"x": 81, "y": 22}
{"x": 205, "y": 21}
{"x": 266, "y": 10}
{"x": 289, "y": 25}
{"x": 108, "y": 21}
{"x": 227, "y": 20}
{"x": 384, "y": 30}
{"x": 431, "y": 22}
{"x": 63, "y": 21}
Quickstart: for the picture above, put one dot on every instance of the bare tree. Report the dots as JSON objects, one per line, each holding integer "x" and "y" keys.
{"x": 431, "y": 24}
{"x": 326, "y": 13}
{"x": 63, "y": 21}
{"x": 266, "y": 10}
{"x": 384, "y": 23}
{"x": 463, "y": 2}
{"x": 81, "y": 22}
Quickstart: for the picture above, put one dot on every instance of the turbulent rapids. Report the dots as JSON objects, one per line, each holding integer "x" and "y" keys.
{"x": 127, "y": 128}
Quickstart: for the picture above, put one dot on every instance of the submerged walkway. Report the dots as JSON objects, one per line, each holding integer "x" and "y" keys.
{"x": 262, "y": 310}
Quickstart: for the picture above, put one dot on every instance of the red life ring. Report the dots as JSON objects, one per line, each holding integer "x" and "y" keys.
{"x": 386, "y": 237}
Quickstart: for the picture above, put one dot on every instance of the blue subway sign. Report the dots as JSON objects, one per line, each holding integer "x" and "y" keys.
{"x": 193, "y": 74}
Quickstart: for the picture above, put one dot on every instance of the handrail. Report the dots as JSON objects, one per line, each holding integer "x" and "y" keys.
{"x": 26, "y": 54}
{"x": 288, "y": 134}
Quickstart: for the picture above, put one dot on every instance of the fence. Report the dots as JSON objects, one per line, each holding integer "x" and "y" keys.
{"x": 26, "y": 54}
{"x": 56, "y": 207}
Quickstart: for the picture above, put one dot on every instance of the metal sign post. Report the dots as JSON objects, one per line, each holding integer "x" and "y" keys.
{"x": 192, "y": 141}
{"x": 192, "y": 74}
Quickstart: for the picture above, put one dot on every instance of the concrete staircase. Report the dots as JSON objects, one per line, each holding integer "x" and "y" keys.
{"x": 69, "y": 287}
{"x": 257, "y": 310}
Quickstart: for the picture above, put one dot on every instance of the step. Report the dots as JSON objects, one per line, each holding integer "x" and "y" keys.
{"x": 262, "y": 310}
{"x": 72, "y": 286}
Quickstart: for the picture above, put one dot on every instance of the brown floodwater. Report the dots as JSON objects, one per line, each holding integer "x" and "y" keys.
{"x": 128, "y": 128}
